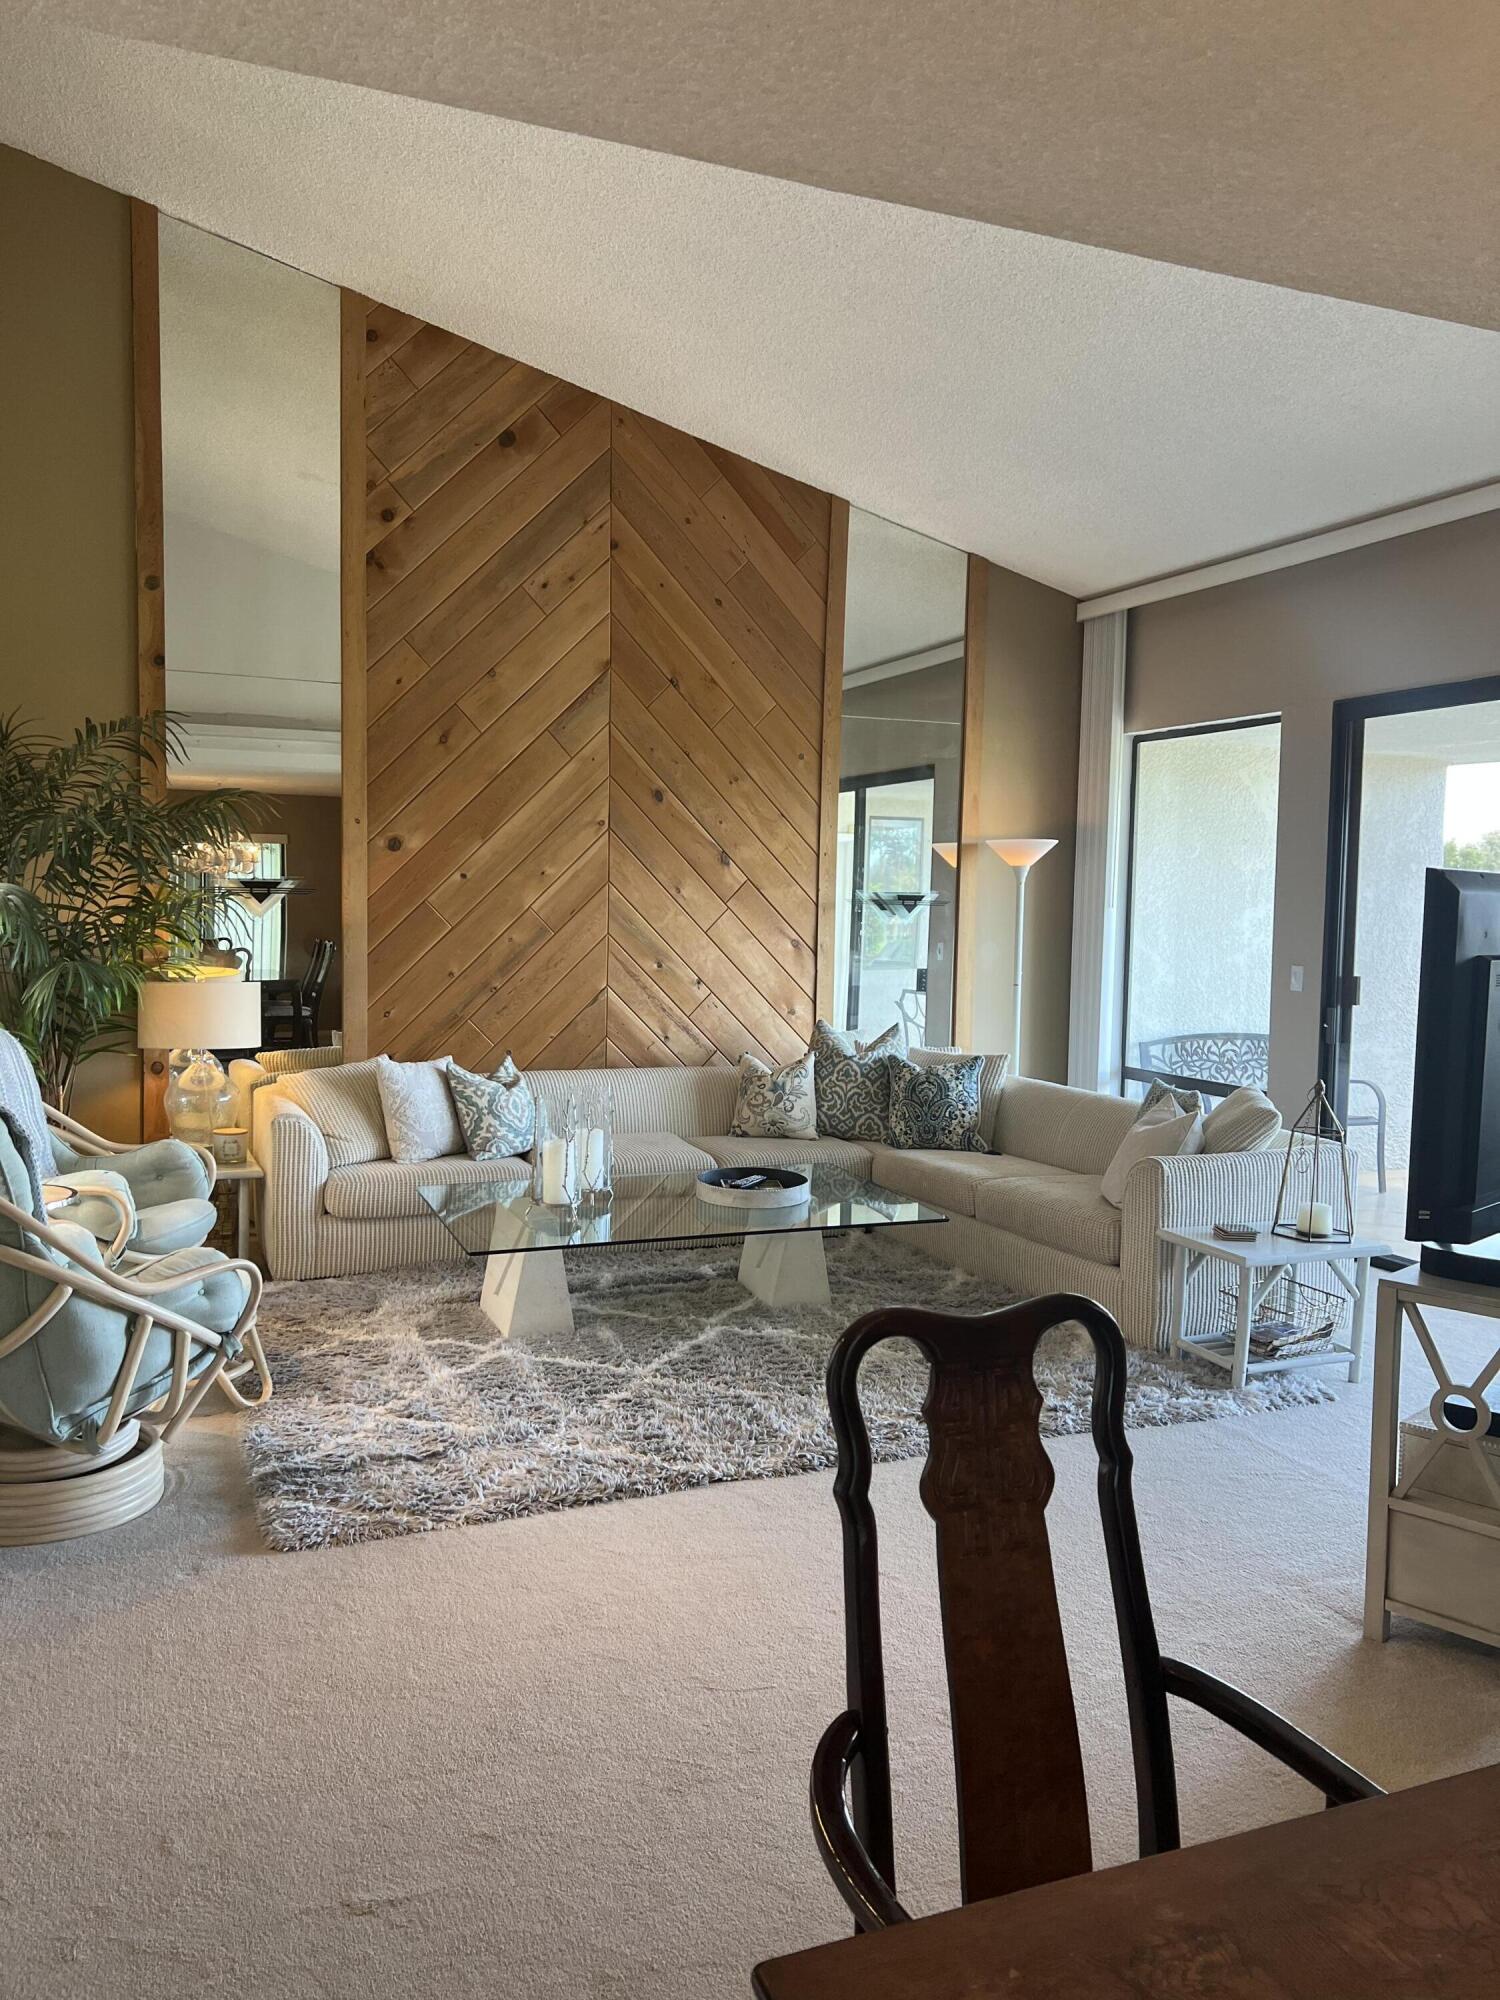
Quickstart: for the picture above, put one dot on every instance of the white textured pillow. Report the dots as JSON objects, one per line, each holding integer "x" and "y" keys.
{"x": 1246, "y": 1122}
{"x": 344, "y": 1104}
{"x": 1160, "y": 1133}
{"x": 420, "y": 1121}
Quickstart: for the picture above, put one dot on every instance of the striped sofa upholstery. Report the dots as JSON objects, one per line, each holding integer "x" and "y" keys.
{"x": 1029, "y": 1213}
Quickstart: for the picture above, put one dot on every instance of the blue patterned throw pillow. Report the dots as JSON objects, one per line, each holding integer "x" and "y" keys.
{"x": 775, "y": 1103}
{"x": 497, "y": 1113}
{"x": 935, "y": 1105}
{"x": 853, "y": 1083}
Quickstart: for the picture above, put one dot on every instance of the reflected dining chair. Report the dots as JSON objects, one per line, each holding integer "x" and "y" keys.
{"x": 1022, "y": 1808}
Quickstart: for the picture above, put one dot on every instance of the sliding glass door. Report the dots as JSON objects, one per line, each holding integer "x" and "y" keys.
{"x": 1202, "y": 887}
{"x": 1416, "y": 785}
{"x": 885, "y": 891}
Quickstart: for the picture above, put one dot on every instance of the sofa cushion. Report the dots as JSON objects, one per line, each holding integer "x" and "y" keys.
{"x": 1049, "y": 1205}
{"x": 385, "y": 1190}
{"x": 1160, "y": 1133}
{"x": 946, "y": 1180}
{"x": 658, "y": 1153}
{"x": 823, "y": 1152}
{"x": 681, "y": 1101}
{"x": 1076, "y": 1129}
{"x": 1246, "y": 1122}
{"x": 344, "y": 1104}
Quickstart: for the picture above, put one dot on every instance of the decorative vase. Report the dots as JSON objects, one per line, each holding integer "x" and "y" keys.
{"x": 199, "y": 1096}
{"x": 554, "y": 1159}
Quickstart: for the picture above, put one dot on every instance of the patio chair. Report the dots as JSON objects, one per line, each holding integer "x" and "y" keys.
{"x": 166, "y": 1184}
{"x": 99, "y": 1367}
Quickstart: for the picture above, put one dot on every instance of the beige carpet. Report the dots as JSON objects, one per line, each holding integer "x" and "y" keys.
{"x": 567, "y": 1755}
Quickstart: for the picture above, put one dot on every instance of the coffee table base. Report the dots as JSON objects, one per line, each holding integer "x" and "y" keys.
{"x": 526, "y": 1291}
{"x": 786, "y": 1270}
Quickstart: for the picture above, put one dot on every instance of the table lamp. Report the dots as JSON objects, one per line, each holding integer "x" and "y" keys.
{"x": 192, "y": 1017}
{"x": 1021, "y": 854}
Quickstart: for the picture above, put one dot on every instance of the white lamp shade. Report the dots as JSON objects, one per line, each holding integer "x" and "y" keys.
{"x": 199, "y": 1014}
{"x": 946, "y": 850}
{"x": 1020, "y": 853}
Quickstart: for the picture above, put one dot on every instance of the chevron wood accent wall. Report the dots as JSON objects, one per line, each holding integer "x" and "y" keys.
{"x": 593, "y": 678}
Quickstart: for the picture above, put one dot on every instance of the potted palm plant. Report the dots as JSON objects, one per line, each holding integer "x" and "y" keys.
{"x": 94, "y": 894}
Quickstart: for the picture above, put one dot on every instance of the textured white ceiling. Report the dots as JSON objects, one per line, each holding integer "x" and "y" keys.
{"x": 249, "y": 395}
{"x": 1342, "y": 146}
{"x": 1085, "y": 417}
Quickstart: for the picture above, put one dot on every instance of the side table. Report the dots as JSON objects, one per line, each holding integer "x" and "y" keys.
{"x": 246, "y": 1178}
{"x": 1431, "y": 1554}
{"x": 1261, "y": 1263}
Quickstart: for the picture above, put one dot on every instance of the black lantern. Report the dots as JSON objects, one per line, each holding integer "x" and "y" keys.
{"x": 1315, "y": 1202}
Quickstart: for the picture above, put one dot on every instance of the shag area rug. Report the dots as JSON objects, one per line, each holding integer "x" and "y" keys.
{"x": 399, "y": 1409}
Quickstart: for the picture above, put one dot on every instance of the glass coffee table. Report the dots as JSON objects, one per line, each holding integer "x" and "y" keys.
{"x": 522, "y": 1240}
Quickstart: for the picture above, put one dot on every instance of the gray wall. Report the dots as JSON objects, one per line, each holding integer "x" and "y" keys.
{"x": 1416, "y": 611}
{"x": 1028, "y": 786}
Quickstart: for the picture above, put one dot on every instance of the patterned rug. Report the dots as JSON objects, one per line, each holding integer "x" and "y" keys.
{"x": 399, "y": 1409}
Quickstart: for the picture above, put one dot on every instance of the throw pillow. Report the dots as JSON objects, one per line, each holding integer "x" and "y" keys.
{"x": 852, "y": 1083}
{"x": 420, "y": 1122}
{"x": 1160, "y": 1133}
{"x": 497, "y": 1113}
{"x": 1246, "y": 1122}
{"x": 344, "y": 1104}
{"x": 1173, "y": 1093}
{"x": 776, "y": 1103}
{"x": 935, "y": 1105}
{"x": 991, "y": 1081}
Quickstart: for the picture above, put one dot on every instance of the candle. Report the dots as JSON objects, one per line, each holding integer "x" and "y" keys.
{"x": 1315, "y": 1218}
{"x": 593, "y": 1159}
{"x": 555, "y": 1175}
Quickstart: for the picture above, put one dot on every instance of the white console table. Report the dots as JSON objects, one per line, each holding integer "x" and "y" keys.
{"x": 1431, "y": 1555}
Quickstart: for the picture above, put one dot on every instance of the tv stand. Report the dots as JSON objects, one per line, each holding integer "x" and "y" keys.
{"x": 1464, "y": 1263}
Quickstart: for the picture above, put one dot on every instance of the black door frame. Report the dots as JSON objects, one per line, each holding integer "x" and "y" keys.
{"x": 860, "y": 784}
{"x": 1340, "y": 994}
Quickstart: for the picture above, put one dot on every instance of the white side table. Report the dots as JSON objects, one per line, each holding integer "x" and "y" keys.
{"x": 246, "y": 1178}
{"x": 1262, "y": 1263}
{"x": 1430, "y": 1555}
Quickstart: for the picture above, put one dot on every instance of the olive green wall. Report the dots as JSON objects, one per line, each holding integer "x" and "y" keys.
{"x": 67, "y": 515}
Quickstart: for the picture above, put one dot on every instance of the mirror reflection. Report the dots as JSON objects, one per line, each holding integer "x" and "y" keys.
{"x": 900, "y": 781}
{"x": 250, "y": 502}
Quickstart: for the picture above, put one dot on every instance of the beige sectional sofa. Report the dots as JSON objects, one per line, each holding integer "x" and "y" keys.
{"x": 1028, "y": 1213}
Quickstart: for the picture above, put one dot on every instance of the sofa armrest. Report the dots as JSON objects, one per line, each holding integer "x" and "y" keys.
{"x": 1191, "y": 1192}
{"x": 247, "y": 1075}
{"x": 293, "y": 1156}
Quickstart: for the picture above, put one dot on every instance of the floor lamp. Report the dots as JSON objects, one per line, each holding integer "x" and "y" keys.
{"x": 1021, "y": 855}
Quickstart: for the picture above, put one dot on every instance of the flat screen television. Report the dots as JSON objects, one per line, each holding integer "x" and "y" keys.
{"x": 1453, "y": 1190}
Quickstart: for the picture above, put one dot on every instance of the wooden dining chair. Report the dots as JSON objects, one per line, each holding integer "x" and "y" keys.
{"x": 1022, "y": 1809}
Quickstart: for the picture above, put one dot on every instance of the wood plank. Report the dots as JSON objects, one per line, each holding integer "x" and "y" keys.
{"x": 654, "y": 958}
{"x": 354, "y": 816}
{"x": 513, "y": 832}
{"x": 641, "y": 674}
{"x": 430, "y": 694}
{"x": 387, "y": 387}
{"x": 394, "y": 438}
{"x": 637, "y": 451}
{"x": 150, "y": 554}
{"x": 698, "y": 869}
{"x": 698, "y": 625}
{"x": 776, "y": 619}
{"x": 799, "y": 754}
{"x": 833, "y": 712}
{"x": 386, "y": 329}
{"x": 584, "y": 552}
{"x": 580, "y": 1043}
{"x": 551, "y": 963}
{"x": 494, "y": 417}
{"x": 576, "y": 884}
{"x": 656, "y": 639}
{"x": 758, "y": 490}
{"x": 690, "y": 459}
{"x": 527, "y": 1037}
{"x": 717, "y": 764}
{"x": 634, "y": 1040}
{"x": 655, "y": 1010}
{"x": 587, "y": 713}
{"x": 433, "y": 999}
{"x": 770, "y": 558}
{"x": 773, "y": 982}
{"x": 773, "y": 931}
{"x": 407, "y": 945}
{"x": 763, "y": 774}
{"x": 496, "y": 463}
{"x": 427, "y": 350}
{"x": 384, "y": 509}
{"x": 577, "y": 631}
{"x": 565, "y": 404}
{"x": 422, "y": 760}
{"x": 729, "y": 1036}
{"x": 394, "y": 674}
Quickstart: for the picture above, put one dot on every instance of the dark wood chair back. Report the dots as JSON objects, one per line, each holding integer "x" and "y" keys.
{"x": 316, "y": 976}
{"x": 1022, "y": 1806}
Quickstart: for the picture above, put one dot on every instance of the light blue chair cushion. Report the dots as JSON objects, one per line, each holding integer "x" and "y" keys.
{"x": 172, "y": 1225}
{"x": 57, "y": 1385}
{"x": 21, "y": 1096}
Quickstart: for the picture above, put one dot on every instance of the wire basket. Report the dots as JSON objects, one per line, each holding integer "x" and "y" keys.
{"x": 1294, "y": 1318}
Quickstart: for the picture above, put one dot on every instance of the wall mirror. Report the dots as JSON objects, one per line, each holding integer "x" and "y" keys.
{"x": 900, "y": 782}
{"x": 249, "y": 354}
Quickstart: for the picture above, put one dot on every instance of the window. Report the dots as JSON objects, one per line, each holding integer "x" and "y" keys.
{"x": 1202, "y": 893}
{"x": 885, "y": 892}
{"x": 264, "y": 937}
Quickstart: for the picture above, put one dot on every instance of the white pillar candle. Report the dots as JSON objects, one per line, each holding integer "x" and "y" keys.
{"x": 593, "y": 1158}
{"x": 555, "y": 1172}
{"x": 1319, "y": 1219}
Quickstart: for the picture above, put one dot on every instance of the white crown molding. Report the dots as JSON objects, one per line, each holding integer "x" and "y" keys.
{"x": 1307, "y": 548}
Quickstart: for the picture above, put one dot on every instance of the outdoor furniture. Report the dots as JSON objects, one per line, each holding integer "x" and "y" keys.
{"x": 289, "y": 1008}
{"x": 167, "y": 1184}
{"x": 1023, "y": 1810}
{"x": 98, "y": 1367}
{"x": 1219, "y": 1063}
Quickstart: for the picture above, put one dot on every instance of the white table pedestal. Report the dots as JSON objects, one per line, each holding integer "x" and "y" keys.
{"x": 526, "y": 1291}
{"x": 786, "y": 1270}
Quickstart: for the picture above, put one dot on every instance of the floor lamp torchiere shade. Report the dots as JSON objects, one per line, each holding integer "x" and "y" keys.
{"x": 1021, "y": 854}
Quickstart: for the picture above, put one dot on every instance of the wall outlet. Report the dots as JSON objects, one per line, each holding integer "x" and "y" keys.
{"x": 1296, "y": 978}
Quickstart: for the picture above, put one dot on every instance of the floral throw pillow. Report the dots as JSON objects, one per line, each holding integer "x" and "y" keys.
{"x": 853, "y": 1084}
{"x": 497, "y": 1113}
{"x": 775, "y": 1103}
{"x": 935, "y": 1105}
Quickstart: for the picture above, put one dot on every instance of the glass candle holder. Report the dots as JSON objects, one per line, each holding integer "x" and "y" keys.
{"x": 554, "y": 1159}
{"x": 596, "y": 1146}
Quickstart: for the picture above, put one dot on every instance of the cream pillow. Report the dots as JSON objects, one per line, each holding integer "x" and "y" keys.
{"x": 1246, "y": 1122}
{"x": 344, "y": 1104}
{"x": 420, "y": 1121}
{"x": 1161, "y": 1132}
{"x": 776, "y": 1103}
